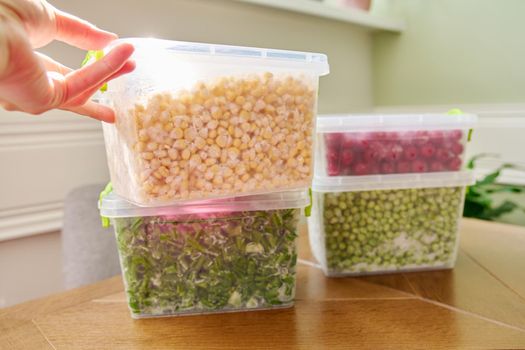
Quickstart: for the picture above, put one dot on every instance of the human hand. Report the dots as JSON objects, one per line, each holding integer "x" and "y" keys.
{"x": 34, "y": 83}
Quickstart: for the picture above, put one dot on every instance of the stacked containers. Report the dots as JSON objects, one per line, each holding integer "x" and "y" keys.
{"x": 210, "y": 158}
{"x": 388, "y": 192}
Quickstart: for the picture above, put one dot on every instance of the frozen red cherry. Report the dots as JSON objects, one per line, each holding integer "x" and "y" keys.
{"x": 363, "y": 140}
{"x": 376, "y": 151}
{"x": 406, "y": 138}
{"x": 381, "y": 149}
{"x": 410, "y": 153}
{"x": 421, "y": 137}
{"x": 392, "y": 136}
{"x": 373, "y": 169}
{"x": 454, "y": 164}
{"x": 348, "y": 140}
{"x": 427, "y": 150}
{"x": 333, "y": 169}
{"x": 360, "y": 169}
{"x": 332, "y": 155}
{"x": 419, "y": 166}
{"x": 395, "y": 152}
{"x": 369, "y": 156}
{"x": 436, "y": 166}
{"x": 454, "y": 134}
{"x": 436, "y": 136}
{"x": 403, "y": 167}
{"x": 379, "y": 135}
{"x": 457, "y": 148}
{"x": 347, "y": 157}
{"x": 388, "y": 168}
{"x": 333, "y": 140}
{"x": 442, "y": 154}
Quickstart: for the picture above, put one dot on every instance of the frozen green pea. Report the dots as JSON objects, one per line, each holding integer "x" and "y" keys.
{"x": 413, "y": 228}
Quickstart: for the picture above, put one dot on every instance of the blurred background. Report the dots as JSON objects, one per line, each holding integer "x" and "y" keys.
{"x": 396, "y": 56}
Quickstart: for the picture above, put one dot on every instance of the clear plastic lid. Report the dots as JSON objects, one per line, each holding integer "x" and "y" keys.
{"x": 113, "y": 206}
{"x": 268, "y": 57}
{"x": 392, "y": 181}
{"x": 393, "y": 122}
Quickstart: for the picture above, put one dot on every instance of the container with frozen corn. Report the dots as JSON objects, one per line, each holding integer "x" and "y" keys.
{"x": 387, "y": 226}
{"x": 220, "y": 255}
{"x": 360, "y": 145}
{"x": 198, "y": 121}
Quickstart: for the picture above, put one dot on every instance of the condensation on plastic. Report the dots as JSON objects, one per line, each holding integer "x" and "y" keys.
{"x": 113, "y": 206}
{"x": 392, "y": 181}
{"x": 171, "y": 66}
{"x": 338, "y": 135}
{"x": 394, "y": 122}
{"x": 317, "y": 239}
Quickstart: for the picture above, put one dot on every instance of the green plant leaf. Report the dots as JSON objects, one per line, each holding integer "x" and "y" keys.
{"x": 471, "y": 164}
{"x": 492, "y": 177}
{"x": 506, "y": 188}
{"x": 479, "y": 201}
{"x": 504, "y": 208}
{"x": 473, "y": 209}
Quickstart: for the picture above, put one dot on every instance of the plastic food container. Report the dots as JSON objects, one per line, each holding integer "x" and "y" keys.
{"x": 358, "y": 229}
{"x": 357, "y": 145}
{"x": 198, "y": 121}
{"x": 213, "y": 256}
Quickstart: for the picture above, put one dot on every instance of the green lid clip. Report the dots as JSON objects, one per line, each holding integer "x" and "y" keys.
{"x": 107, "y": 190}
{"x": 95, "y": 55}
{"x": 308, "y": 209}
{"x": 457, "y": 111}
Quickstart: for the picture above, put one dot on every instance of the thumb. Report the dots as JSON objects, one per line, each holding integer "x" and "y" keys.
{"x": 80, "y": 33}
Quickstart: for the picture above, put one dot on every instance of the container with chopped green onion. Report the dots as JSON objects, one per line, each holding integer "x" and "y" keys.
{"x": 391, "y": 223}
{"x": 235, "y": 254}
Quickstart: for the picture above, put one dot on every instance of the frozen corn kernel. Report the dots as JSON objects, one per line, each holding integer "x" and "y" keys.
{"x": 226, "y": 137}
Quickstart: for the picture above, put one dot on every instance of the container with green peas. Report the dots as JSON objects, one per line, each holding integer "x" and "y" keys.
{"x": 392, "y": 224}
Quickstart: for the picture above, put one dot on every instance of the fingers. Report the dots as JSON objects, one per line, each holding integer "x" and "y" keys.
{"x": 96, "y": 73}
{"x": 128, "y": 67}
{"x": 94, "y": 110}
{"x": 80, "y": 33}
{"x": 82, "y": 105}
{"x": 52, "y": 65}
{"x": 8, "y": 106}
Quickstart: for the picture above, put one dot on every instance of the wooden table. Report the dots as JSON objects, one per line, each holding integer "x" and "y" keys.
{"x": 480, "y": 304}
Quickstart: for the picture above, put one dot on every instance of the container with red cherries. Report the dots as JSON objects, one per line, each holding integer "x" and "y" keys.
{"x": 359, "y": 145}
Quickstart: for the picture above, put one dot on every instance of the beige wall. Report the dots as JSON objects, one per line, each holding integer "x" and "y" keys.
{"x": 31, "y": 267}
{"x": 452, "y": 51}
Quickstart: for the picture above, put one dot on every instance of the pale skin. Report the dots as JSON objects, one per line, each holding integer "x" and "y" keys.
{"x": 34, "y": 83}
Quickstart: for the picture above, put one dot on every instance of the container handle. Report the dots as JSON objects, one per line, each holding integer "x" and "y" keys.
{"x": 457, "y": 111}
{"x": 308, "y": 209}
{"x": 107, "y": 190}
{"x": 94, "y": 55}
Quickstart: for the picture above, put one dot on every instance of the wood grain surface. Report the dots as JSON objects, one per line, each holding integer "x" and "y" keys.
{"x": 478, "y": 305}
